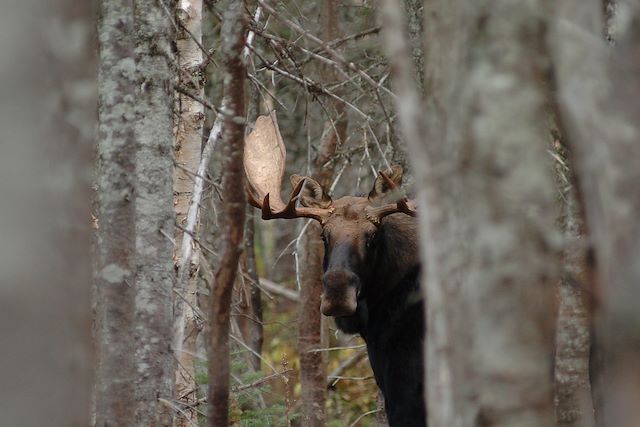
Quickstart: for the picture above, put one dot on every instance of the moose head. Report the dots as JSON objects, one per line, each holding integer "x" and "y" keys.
{"x": 349, "y": 224}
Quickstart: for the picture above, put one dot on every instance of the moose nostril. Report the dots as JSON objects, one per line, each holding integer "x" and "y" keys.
{"x": 339, "y": 278}
{"x": 340, "y": 296}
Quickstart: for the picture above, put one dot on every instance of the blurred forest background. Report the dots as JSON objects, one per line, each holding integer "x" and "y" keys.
{"x": 139, "y": 287}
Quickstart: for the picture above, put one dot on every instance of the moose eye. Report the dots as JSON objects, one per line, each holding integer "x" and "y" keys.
{"x": 370, "y": 240}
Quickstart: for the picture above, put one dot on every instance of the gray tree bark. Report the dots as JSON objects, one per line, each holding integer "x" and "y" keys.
{"x": 486, "y": 209}
{"x": 155, "y": 276}
{"x": 47, "y": 126}
{"x": 573, "y": 332}
{"x": 115, "y": 249}
{"x": 597, "y": 94}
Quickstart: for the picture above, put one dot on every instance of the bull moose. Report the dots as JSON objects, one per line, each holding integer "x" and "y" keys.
{"x": 371, "y": 281}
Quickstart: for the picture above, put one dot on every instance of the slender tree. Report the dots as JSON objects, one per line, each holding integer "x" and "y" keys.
{"x": 233, "y": 41}
{"x": 313, "y": 363}
{"x": 155, "y": 276}
{"x": 115, "y": 249}
{"x": 187, "y": 154}
{"x": 573, "y": 334}
{"x": 253, "y": 328}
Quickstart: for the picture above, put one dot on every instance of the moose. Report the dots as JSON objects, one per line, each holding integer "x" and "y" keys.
{"x": 371, "y": 281}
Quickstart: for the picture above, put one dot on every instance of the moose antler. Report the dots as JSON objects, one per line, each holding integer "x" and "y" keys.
{"x": 404, "y": 205}
{"x": 264, "y": 156}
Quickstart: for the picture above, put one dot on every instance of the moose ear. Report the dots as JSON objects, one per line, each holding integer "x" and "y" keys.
{"x": 381, "y": 187}
{"x": 312, "y": 194}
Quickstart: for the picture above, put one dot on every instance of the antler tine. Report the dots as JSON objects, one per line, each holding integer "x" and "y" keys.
{"x": 290, "y": 210}
{"x": 375, "y": 214}
{"x": 388, "y": 180}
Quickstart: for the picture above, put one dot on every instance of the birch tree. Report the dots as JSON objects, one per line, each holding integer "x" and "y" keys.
{"x": 187, "y": 156}
{"x": 486, "y": 209}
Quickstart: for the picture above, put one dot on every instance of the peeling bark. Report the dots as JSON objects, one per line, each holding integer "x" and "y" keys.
{"x": 187, "y": 154}
{"x": 233, "y": 214}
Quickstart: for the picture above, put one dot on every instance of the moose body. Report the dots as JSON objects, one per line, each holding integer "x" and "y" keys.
{"x": 371, "y": 266}
{"x": 389, "y": 314}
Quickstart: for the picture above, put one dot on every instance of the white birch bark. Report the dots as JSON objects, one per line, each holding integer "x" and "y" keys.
{"x": 187, "y": 153}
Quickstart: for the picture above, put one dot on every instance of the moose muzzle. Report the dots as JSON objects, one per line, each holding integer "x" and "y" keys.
{"x": 340, "y": 297}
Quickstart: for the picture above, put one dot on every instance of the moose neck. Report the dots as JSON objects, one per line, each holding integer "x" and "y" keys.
{"x": 396, "y": 258}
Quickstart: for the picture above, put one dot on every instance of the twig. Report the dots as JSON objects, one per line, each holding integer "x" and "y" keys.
{"x": 368, "y": 377}
{"x": 352, "y": 361}
{"x": 252, "y": 34}
{"x": 245, "y": 275}
{"x": 261, "y": 380}
{"x": 197, "y": 241}
{"x": 336, "y": 55}
{"x": 353, "y": 424}
{"x": 311, "y": 86}
{"x": 177, "y": 409}
{"x": 263, "y": 87}
{"x": 195, "y": 309}
{"x": 258, "y": 355}
{"x": 183, "y": 90}
{"x": 171, "y": 239}
{"x": 317, "y": 350}
{"x": 280, "y": 290}
{"x": 189, "y": 230}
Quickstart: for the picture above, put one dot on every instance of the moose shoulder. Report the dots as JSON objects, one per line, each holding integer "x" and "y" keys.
{"x": 371, "y": 266}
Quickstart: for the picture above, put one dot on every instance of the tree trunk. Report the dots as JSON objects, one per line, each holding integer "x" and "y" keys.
{"x": 312, "y": 369}
{"x": 310, "y": 337}
{"x": 233, "y": 214}
{"x": 486, "y": 210}
{"x": 47, "y": 126}
{"x": 572, "y": 389}
{"x": 187, "y": 153}
{"x": 252, "y": 330}
{"x": 155, "y": 274}
{"x": 598, "y": 94}
{"x": 115, "y": 251}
